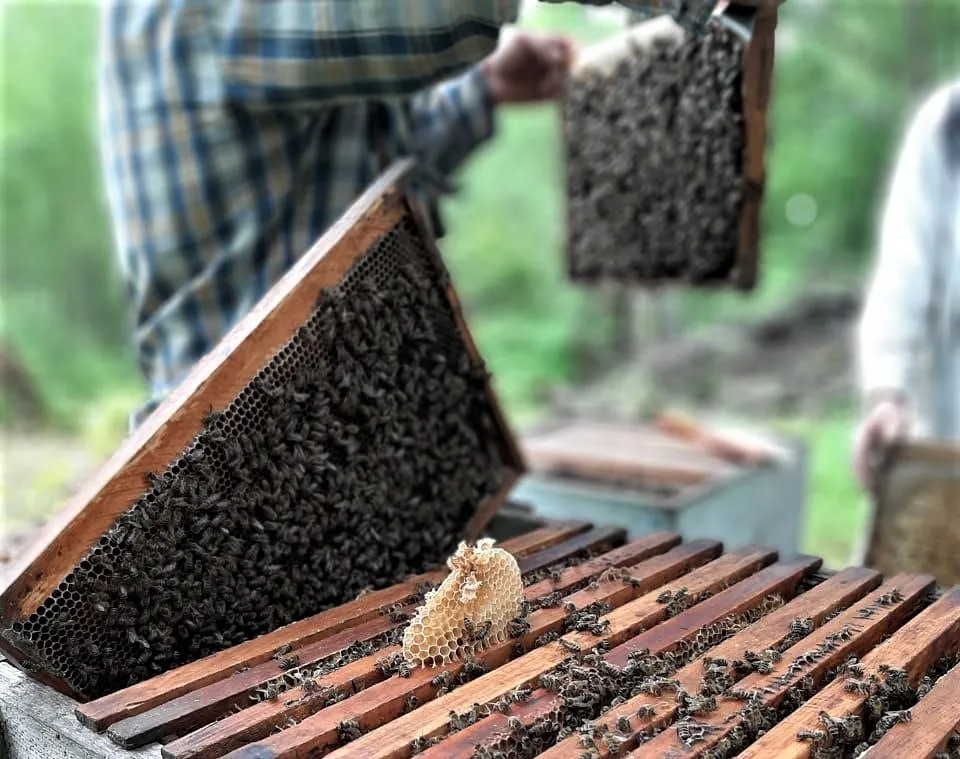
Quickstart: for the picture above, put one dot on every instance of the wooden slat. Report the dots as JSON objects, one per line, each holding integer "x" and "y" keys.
{"x": 781, "y": 580}
{"x": 201, "y": 706}
{"x": 867, "y": 631}
{"x": 593, "y": 539}
{"x": 933, "y": 633}
{"x": 257, "y": 721}
{"x": 934, "y": 720}
{"x": 129, "y": 702}
{"x": 393, "y": 740}
{"x": 835, "y": 593}
{"x": 757, "y": 88}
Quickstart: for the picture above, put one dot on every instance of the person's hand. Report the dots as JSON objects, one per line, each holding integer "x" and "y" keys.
{"x": 528, "y": 68}
{"x": 884, "y": 425}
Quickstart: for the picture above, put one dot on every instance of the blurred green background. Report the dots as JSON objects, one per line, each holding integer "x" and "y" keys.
{"x": 848, "y": 74}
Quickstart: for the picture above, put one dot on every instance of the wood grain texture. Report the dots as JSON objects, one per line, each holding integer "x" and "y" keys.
{"x": 202, "y": 706}
{"x": 757, "y": 86}
{"x": 775, "y": 686}
{"x": 394, "y": 739}
{"x": 934, "y": 719}
{"x": 387, "y": 700}
{"x": 129, "y": 702}
{"x": 782, "y": 579}
{"x": 257, "y": 721}
{"x": 36, "y": 722}
{"x": 592, "y": 540}
{"x": 915, "y": 647}
{"x": 836, "y": 593}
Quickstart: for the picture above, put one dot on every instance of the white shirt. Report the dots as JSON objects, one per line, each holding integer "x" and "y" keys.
{"x": 909, "y": 333}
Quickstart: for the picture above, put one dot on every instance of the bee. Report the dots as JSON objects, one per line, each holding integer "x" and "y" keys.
{"x": 893, "y": 596}
{"x": 812, "y": 736}
{"x": 289, "y": 662}
{"x": 514, "y": 723}
{"x": 858, "y": 686}
{"x": 664, "y": 597}
{"x": 480, "y": 634}
{"x": 570, "y": 646}
{"x": 646, "y": 711}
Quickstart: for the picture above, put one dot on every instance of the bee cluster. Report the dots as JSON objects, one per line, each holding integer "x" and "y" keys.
{"x": 353, "y": 460}
{"x": 654, "y": 155}
{"x": 587, "y": 685}
{"x": 890, "y": 698}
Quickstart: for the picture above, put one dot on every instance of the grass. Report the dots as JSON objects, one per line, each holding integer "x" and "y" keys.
{"x": 836, "y": 507}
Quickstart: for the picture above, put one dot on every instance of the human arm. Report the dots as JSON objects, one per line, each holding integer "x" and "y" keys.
{"x": 893, "y": 322}
{"x": 303, "y": 53}
{"x": 451, "y": 120}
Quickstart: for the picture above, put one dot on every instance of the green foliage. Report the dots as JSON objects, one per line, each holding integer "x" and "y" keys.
{"x": 64, "y": 305}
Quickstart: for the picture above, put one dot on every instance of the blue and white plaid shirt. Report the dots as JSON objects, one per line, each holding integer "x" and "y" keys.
{"x": 234, "y": 132}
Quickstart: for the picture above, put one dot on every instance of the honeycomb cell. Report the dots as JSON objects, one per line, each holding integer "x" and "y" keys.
{"x": 480, "y": 596}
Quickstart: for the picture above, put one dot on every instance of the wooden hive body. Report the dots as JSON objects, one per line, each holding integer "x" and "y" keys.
{"x": 587, "y": 263}
{"x": 354, "y": 434}
{"x": 620, "y": 634}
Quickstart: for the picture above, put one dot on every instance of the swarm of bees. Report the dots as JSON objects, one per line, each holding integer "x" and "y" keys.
{"x": 653, "y": 155}
{"x": 323, "y": 479}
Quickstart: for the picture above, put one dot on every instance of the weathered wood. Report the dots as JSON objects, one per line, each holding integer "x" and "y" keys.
{"x": 129, "y": 702}
{"x": 393, "y": 740}
{"x": 835, "y": 593}
{"x": 757, "y": 87}
{"x": 773, "y": 688}
{"x": 782, "y": 580}
{"x": 594, "y": 539}
{"x": 629, "y": 453}
{"x": 257, "y": 722}
{"x": 934, "y": 720}
{"x": 36, "y": 722}
{"x": 915, "y": 647}
{"x": 212, "y": 384}
{"x": 201, "y": 706}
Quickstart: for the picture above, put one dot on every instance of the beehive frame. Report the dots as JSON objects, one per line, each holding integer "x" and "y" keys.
{"x": 687, "y": 606}
{"x": 757, "y": 83}
{"x": 212, "y": 385}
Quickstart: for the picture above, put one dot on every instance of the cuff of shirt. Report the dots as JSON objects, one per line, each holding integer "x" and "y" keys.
{"x": 477, "y": 105}
{"x": 883, "y": 375}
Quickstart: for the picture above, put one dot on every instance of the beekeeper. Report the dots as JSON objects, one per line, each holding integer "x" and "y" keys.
{"x": 908, "y": 338}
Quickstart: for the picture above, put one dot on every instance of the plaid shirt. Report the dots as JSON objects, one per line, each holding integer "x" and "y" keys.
{"x": 234, "y": 132}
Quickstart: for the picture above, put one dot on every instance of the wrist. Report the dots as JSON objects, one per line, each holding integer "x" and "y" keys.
{"x": 874, "y": 398}
{"x": 491, "y": 82}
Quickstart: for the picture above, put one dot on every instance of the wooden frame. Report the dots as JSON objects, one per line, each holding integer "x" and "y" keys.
{"x": 758, "y": 59}
{"x": 912, "y": 525}
{"x": 903, "y": 621}
{"x": 213, "y": 383}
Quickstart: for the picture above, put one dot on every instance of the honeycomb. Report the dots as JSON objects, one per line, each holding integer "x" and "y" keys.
{"x": 654, "y": 141}
{"x": 470, "y": 610}
{"x": 354, "y": 459}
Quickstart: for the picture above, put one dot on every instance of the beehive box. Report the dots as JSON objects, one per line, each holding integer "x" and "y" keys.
{"x": 914, "y": 525}
{"x": 342, "y": 437}
{"x": 665, "y": 141}
{"x": 647, "y": 478}
{"x": 654, "y": 647}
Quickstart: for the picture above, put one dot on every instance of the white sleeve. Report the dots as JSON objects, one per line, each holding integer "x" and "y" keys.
{"x": 897, "y": 302}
